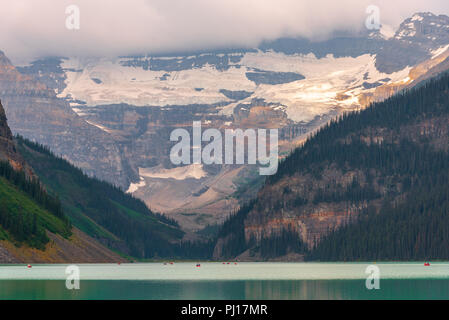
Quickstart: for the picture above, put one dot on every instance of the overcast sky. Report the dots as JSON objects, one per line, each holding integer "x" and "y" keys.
{"x": 35, "y": 28}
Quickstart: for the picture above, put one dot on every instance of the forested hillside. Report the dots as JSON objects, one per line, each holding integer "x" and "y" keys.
{"x": 106, "y": 213}
{"x": 27, "y": 211}
{"x": 33, "y": 224}
{"x": 372, "y": 185}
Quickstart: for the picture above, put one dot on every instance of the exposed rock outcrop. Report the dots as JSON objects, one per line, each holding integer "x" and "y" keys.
{"x": 7, "y": 147}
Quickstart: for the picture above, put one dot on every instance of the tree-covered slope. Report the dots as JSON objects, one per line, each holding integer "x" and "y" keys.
{"x": 23, "y": 219}
{"x": 33, "y": 225}
{"x": 32, "y": 231}
{"x": 101, "y": 210}
{"x": 372, "y": 185}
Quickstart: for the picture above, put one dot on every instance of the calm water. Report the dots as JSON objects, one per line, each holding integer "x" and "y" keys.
{"x": 218, "y": 281}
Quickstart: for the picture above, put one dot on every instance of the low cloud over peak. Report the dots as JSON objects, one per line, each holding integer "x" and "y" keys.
{"x": 31, "y": 29}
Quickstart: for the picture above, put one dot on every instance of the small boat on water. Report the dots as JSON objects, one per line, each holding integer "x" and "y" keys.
{"x": 198, "y": 265}
{"x": 29, "y": 266}
{"x": 427, "y": 264}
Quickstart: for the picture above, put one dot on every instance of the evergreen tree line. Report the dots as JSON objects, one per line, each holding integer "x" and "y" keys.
{"x": 233, "y": 231}
{"x": 23, "y": 226}
{"x": 279, "y": 244}
{"x": 414, "y": 229}
{"x": 33, "y": 188}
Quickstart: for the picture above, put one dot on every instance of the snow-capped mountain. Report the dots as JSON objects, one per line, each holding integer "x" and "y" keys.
{"x": 425, "y": 29}
{"x": 303, "y": 84}
{"x": 306, "y": 78}
{"x": 295, "y": 85}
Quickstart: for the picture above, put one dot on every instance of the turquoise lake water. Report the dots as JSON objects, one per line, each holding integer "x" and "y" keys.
{"x": 254, "y": 281}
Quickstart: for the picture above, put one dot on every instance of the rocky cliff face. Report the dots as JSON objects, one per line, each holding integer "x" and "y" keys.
{"x": 34, "y": 111}
{"x": 8, "y": 150}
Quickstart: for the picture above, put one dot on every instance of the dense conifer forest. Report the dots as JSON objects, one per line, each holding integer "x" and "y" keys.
{"x": 412, "y": 222}
{"x": 27, "y": 210}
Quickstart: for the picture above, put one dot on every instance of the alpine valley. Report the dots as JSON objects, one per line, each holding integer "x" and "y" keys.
{"x": 364, "y": 141}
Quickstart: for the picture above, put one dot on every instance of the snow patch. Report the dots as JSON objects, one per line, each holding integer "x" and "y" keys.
{"x": 439, "y": 51}
{"x": 387, "y": 32}
{"x": 330, "y": 82}
{"x": 98, "y": 126}
{"x": 133, "y": 187}
{"x": 417, "y": 17}
{"x": 194, "y": 171}
{"x": 139, "y": 87}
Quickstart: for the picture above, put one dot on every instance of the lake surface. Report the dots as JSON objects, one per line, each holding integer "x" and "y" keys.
{"x": 258, "y": 281}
